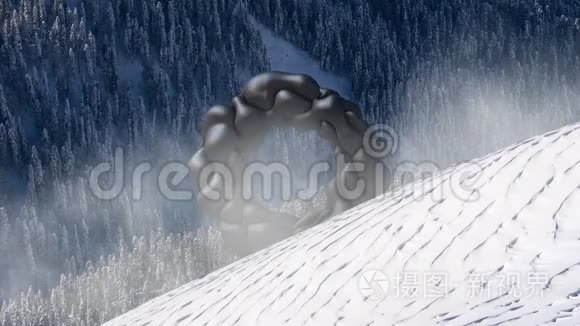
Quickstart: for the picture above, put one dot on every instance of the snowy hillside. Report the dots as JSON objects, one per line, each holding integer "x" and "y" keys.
{"x": 500, "y": 246}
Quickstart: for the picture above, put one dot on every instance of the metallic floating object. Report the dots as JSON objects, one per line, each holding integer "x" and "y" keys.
{"x": 267, "y": 101}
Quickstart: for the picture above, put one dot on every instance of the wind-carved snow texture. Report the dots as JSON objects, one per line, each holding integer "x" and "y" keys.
{"x": 522, "y": 218}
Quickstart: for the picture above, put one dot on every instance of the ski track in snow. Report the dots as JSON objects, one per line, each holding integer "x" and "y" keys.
{"x": 523, "y": 219}
{"x": 284, "y": 56}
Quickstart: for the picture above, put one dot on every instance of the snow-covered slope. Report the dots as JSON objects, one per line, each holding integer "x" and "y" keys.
{"x": 501, "y": 246}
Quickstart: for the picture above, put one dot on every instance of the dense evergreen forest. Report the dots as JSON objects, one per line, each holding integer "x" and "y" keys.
{"x": 456, "y": 78}
{"x": 78, "y": 81}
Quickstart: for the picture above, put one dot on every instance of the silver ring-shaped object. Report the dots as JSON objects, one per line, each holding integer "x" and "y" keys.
{"x": 269, "y": 100}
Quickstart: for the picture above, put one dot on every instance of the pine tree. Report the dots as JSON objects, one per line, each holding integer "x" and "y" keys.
{"x": 64, "y": 242}
{"x": 55, "y": 163}
{"x": 31, "y": 190}
{"x": 29, "y": 260}
{"x": 5, "y": 115}
{"x": 3, "y": 146}
{"x": 68, "y": 158}
{"x": 45, "y": 145}
{"x": 14, "y": 145}
{"x": 4, "y": 232}
{"x": 37, "y": 168}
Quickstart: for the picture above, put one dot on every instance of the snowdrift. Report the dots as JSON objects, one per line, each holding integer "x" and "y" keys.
{"x": 492, "y": 241}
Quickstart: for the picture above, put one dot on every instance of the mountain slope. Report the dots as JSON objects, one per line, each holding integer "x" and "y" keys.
{"x": 509, "y": 216}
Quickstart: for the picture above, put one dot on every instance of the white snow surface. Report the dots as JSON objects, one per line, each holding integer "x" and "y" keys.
{"x": 501, "y": 232}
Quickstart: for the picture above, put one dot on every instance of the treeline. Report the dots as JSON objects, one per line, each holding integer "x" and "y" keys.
{"x": 77, "y": 82}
